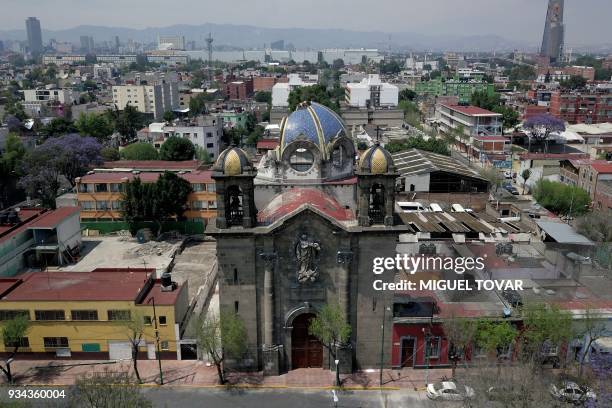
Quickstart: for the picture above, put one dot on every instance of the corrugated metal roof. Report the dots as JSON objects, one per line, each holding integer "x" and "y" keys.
{"x": 415, "y": 161}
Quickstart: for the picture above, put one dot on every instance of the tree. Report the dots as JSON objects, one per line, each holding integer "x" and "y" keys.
{"x": 596, "y": 225}
{"x": 460, "y": 334}
{"x": 412, "y": 113}
{"x": 255, "y": 136}
{"x": 525, "y": 175}
{"x": 220, "y": 337}
{"x": 263, "y": 96}
{"x": 338, "y": 64}
{"x": 134, "y": 327}
{"x": 58, "y": 127}
{"x": 432, "y": 144}
{"x": 169, "y": 116}
{"x": 540, "y": 127}
{"x": 10, "y": 168}
{"x": 561, "y": 198}
{"x": 485, "y": 100}
{"x": 197, "y": 104}
{"x": 95, "y": 125}
{"x": 510, "y": 117}
{"x": 158, "y": 202}
{"x": 407, "y": 95}
{"x": 492, "y": 175}
{"x": 593, "y": 328}
{"x": 176, "y": 149}
{"x": 574, "y": 82}
{"x": 202, "y": 155}
{"x": 495, "y": 337}
{"x": 331, "y": 328}
{"x": 314, "y": 93}
{"x": 110, "y": 154}
{"x": 57, "y": 160}
{"x": 521, "y": 72}
{"x": 139, "y": 151}
{"x": 545, "y": 327}
{"x": 127, "y": 122}
{"x": 13, "y": 333}
{"x": 107, "y": 390}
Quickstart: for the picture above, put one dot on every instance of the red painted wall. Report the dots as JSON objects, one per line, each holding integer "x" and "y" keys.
{"x": 416, "y": 330}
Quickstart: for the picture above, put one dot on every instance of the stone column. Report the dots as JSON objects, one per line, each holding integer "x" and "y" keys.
{"x": 344, "y": 259}
{"x": 271, "y": 352}
{"x": 389, "y": 203}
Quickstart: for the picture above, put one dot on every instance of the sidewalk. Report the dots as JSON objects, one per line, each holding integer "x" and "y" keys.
{"x": 196, "y": 374}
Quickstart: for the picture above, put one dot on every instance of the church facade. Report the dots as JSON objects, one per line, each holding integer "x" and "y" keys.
{"x": 299, "y": 230}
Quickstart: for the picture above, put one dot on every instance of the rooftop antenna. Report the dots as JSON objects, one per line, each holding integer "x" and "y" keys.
{"x": 209, "y": 41}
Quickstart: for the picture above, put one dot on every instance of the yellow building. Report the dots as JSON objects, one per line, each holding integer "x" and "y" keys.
{"x": 100, "y": 194}
{"x": 83, "y": 315}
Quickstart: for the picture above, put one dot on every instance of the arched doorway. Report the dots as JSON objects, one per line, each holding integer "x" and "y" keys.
{"x": 306, "y": 350}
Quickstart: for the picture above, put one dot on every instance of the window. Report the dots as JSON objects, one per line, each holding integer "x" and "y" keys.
{"x": 49, "y": 315}
{"x": 118, "y": 315}
{"x": 84, "y": 314}
{"x": 85, "y": 188}
{"x": 212, "y": 205}
{"x": 198, "y": 187}
{"x": 433, "y": 347}
{"x": 198, "y": 205}
{"x": 117, "y": 205}
{"x": 210, "y": 145}
{"x": 301, "y": 160}
{"x": 101, "y": 188}
{"x": 22, "y": 342}
{"x": 236, "y": 306}
{"x": 11, "y": 314}
{"x": 147, "y": 320}
{"x": 208, "y": 134}
{"x": 102, "y": 205}
{"x": 87, "y": 205}
{"x": 235, "y": 275}
{"x": 164, "y": 345}
{"x": 55, "y": 342}
{"x": 211, "y": 187}
{"x": 162, "y": 320}
{"x": 116, "y": 187}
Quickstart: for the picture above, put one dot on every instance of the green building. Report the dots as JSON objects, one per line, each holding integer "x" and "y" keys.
{"x": 236, "y": 119}
{"x": 463, "y": 88}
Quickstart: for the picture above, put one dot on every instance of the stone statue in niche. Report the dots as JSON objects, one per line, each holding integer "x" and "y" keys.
{"x": 307, "y": 254}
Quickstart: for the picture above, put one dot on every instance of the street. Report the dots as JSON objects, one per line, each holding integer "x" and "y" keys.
{"x": 282, "y": 398}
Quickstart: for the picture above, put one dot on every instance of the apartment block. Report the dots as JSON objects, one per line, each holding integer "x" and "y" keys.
{"x": 83, "y": 315}
{"x": 100, "y": 193}
{"x": 590, "y": 105}
{"x": 371, "y": 92}
{"x": 153, "y": 99}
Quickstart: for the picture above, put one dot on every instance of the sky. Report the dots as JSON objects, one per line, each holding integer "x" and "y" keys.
{"x": 587, "y": 21}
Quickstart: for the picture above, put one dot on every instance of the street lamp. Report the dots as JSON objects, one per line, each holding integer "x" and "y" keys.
{"x": 158, "y": 351}
{"x": 427, "y": 336}
{"x": 382, "y": 343}
{"x": 337, "y": 362}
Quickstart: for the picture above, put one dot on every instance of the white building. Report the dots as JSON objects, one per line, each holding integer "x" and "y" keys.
{"x": 154, "y": 99}
{"x": 371, "y": 92}
{"x": 351, "y": 56}
{"x": 117, "y": 59}
{"x": 281, "y": 90}
{"x": 62, "y": 59}
{"x": 63, "y": 96}
{"x": 206, "y": 132}
{"x": 171, "y": 42}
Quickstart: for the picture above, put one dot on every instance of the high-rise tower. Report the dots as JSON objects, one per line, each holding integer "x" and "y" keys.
{"x": 209, "y": 41}
{"x": 554, "y": 30}
{"x": 34, "y": 36}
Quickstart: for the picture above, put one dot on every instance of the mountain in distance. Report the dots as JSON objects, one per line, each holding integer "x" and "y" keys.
{"x": 246, "y": 36}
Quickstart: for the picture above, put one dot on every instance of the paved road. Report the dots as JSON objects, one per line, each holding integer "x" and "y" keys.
{"x": 283, "y": 398}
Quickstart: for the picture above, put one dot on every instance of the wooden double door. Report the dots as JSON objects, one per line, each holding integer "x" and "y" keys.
{"x": 306, "y": 350}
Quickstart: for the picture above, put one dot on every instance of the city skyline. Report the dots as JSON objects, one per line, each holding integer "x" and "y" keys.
{"x": 523, "y": 22}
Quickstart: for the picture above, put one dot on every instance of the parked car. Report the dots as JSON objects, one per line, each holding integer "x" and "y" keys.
{"x": 457, "y": 208}
{"x": 569, "y": 391}
{"x": 511, "y": 189}
{"x": 411, "y": 206}
{"x": 449, "y": 390}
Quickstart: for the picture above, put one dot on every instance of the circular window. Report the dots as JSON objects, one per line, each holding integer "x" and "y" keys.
{"x": 301, "y": 160}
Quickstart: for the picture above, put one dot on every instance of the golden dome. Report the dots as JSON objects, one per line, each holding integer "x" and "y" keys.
{"x": 232, "y": 161}
{"x": 375, "y": 160}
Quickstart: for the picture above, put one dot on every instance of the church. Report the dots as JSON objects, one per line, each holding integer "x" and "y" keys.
{"x": 299, "y": 230}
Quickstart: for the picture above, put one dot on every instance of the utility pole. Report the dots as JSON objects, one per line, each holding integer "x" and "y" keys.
{"x": 382, "y": 344}
{"x": 161, "y": 374}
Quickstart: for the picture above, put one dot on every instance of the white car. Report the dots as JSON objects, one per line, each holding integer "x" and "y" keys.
{"x": 569, "y": 391}
{"x": 435, "y": 207}
{"x": 411, "y": 206}
{"x": 458, "y": 208}
{"x": 449, "y": 390}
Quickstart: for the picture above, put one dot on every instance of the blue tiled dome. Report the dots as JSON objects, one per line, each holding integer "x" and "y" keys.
{"x": 312, "y": 122}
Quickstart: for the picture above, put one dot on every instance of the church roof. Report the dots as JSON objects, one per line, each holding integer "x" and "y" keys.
{"x": 375, "y": 160}
{"x": 292, "y": 200}
{"x": 313, "y": 122}
{"x": 232, "y": 161}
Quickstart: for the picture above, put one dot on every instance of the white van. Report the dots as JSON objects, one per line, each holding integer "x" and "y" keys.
{"x": 411, "y": 206}
{"x": 435, "y": 207}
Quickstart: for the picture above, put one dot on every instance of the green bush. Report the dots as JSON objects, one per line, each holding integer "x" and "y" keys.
{"x": 561, "y": 198}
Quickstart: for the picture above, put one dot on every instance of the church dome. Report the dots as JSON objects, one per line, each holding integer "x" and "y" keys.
{"x": 376, "y": 160}
{"x": 312, "y": 122}
{"x": 232, "y": 161}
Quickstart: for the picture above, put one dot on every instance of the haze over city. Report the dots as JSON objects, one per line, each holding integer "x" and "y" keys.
{"x": 587, "y": 21}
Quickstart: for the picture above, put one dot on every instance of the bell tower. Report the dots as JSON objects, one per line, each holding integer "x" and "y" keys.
{"x": 376, "y": 176}
{"x": 234, "y": 174}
